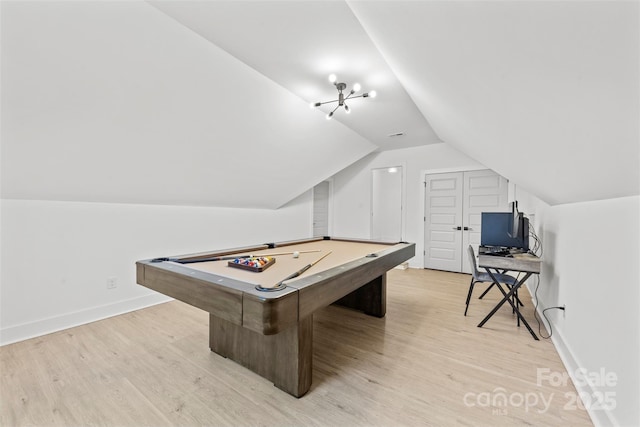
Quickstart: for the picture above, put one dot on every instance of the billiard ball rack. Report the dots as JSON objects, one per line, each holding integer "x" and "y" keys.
{"x": 256, "y": 264}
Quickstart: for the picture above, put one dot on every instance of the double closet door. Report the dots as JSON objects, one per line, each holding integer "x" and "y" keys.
{"x": 453, "y": 206}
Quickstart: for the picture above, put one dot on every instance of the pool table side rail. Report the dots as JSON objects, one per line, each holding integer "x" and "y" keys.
{"x": 272, "y": 316}
{"x": 171, "y": 280}
{"x": 234, "y": 251}
{"x": 337, "y": 239}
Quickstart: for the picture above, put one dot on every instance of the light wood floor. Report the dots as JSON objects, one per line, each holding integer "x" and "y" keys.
{"x": 423, "y": 364}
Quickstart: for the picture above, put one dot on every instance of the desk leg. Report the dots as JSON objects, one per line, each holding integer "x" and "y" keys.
{"x": 284, "y": 358}
{"x": 370, "y": 298}
{"x": 508, "y": 298}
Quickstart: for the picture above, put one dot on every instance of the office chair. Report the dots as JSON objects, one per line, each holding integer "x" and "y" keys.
{"x": 478, "y": 277}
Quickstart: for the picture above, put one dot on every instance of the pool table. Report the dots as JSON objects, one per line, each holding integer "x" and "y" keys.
{"x": 271, "y": 331}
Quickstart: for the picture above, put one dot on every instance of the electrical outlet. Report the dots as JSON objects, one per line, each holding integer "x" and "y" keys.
{"x": 112, "y": 282}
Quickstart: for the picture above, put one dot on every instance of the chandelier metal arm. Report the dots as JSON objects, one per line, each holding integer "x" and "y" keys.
{"x": 341, "y": 97}
{"x": 317, "y": 104}
{"x": 357, "y": 96}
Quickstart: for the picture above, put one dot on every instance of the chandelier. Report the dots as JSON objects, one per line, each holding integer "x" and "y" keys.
{"x": 342, "y": 98}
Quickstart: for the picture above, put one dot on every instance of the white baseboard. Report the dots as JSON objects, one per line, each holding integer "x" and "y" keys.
{"x": 41, "y": 327}
{"x": 599, "y": 417}
{"x": 571, "y": 364}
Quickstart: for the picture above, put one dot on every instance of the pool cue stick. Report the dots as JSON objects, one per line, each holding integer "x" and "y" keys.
{"x": 193, "y": 261}
{"x": 224, "y": 258}
{"x": 288, "y": 253}
{"x": 281, "y": 285}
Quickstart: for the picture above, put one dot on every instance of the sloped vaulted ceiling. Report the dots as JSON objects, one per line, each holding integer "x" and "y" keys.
{"x": 116, "y": 102}
{"x": 205, "y": 102}
{"x": 297, "y": 44}
{"x": 544, "y": 92}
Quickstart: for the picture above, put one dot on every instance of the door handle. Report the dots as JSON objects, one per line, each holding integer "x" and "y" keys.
{"x": 456, "y": 228}
{"x": 468, "y": 229}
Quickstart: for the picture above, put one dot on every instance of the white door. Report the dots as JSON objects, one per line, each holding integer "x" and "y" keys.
{"x": 321, "y": 209}
{"x": 484, "y": 191}
{"x": 443, "y": 221}
{"x": 453, "y": 206}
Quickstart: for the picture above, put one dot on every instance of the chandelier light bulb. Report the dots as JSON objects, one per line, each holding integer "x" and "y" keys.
{"x": 347, "y": 109}
{"x": 332, "y": 78}
{"x": 372, "y": 94}
{"x": 356, "y": 87}
{"x": 329, "y": 115}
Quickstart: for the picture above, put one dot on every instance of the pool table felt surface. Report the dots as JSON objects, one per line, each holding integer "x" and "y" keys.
{"x": 341, "y": 252}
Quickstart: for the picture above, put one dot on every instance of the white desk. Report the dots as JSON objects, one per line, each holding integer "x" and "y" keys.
{"x": 520, "y": 263}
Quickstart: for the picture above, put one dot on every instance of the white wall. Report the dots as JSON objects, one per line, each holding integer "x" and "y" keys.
{"x": 591, "y": 254}
{"x": 56, "y": 257}
{"x": 352, "y": 190}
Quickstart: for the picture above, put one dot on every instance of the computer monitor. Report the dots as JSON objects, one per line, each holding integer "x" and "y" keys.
{"x": 497, "y": 228}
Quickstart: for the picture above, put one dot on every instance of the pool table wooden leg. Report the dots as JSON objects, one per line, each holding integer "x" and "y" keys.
{"x": 284, "y": 358}
{"x": 370, "y": 298}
